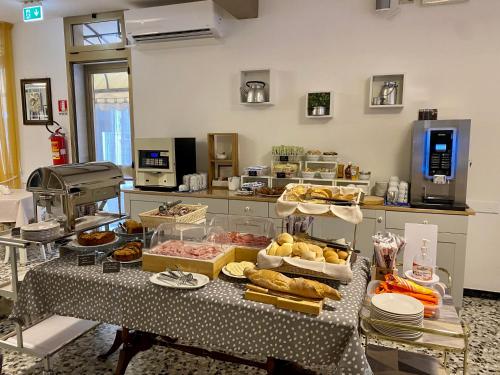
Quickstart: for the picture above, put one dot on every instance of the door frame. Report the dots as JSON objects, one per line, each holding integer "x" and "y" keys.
{"x": 89, "y": 70}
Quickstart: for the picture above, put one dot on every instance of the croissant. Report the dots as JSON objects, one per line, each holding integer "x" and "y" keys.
{"x": 297, "y": 286}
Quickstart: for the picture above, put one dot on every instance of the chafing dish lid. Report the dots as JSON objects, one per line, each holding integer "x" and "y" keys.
{"x": 64, "y": 177}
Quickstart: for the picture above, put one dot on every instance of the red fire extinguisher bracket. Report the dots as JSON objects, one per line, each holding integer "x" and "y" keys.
{"x": 58, "y": 147}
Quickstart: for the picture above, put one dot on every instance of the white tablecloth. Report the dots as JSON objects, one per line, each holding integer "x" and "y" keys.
{"x": 16, "y": 207}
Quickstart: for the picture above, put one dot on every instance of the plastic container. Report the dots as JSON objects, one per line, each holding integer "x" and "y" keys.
{"x": 327, "y": 175}
{"x": 329, "y": 157}
{"x": 308, "y": 174}
{"x": 243, "y": 231}
{"x": 312, "y": 157}
{"x": 259, "y": 170}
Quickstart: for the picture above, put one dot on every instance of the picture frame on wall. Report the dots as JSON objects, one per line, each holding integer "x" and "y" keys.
{"x": 36, "y": 98}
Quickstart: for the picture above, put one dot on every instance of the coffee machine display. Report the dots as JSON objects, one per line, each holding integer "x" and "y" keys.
{"x": 440, "y": 162}
{"x": 161, "y": 162}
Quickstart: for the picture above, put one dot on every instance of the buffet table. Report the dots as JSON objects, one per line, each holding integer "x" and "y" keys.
{"x": 215, "y": 316}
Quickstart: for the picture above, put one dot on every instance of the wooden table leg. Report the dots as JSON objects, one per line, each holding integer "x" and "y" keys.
{"x": 133, "y": 343}
{"x": 114, "y": 347}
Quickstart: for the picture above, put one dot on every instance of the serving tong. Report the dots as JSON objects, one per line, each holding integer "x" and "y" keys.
{"x": 165, "y": 206}
{"x": 336, "y": 202}
{"x": 179, "y": 277}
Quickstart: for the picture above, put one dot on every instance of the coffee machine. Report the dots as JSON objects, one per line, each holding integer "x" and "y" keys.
{"x": 160, "y": 163}
{"x": 440, "y": 162}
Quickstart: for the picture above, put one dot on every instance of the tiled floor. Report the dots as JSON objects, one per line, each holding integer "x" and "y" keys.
{"x": 80, "y": 357}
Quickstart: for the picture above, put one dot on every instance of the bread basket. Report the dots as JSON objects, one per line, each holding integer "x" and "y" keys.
{"x": 150, "y": 219}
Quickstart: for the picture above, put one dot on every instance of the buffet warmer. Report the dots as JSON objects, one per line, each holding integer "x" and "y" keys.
{"x": 76, "y": 193}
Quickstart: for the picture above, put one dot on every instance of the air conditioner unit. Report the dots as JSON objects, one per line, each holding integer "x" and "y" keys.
{"x": 195, "y": 20}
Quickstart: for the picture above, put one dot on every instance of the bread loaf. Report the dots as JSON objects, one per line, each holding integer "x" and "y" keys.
{"x": 284, "y": 250}
{"x": 300, "y": 287}
{"x": 284, "y": 238}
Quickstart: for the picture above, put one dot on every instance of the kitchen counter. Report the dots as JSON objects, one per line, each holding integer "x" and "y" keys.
{"x": 230, "y": 195}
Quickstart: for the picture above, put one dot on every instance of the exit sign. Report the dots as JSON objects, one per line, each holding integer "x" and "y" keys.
{"x": 33, "y": 13}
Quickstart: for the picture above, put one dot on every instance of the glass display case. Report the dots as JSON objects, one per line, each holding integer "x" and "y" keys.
{"x": 243, "y": 230}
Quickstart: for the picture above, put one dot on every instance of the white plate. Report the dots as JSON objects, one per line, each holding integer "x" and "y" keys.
{"x": 202, "y": 281}
{"x": 227, "y": 273}
{"x": 111, "y": 259}
{"x": 409, "y": 275}
{"x": 40, "y": 227}
{"x": 380, "y": 312}
{"x": 74, "y": 243}
{"x": 399, "y": 304}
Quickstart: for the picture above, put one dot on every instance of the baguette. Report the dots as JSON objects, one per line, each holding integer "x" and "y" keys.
{"x": 298, "y": 286}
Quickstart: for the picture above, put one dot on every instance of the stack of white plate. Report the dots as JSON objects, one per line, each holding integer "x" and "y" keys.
{"x": 43, "y": 231}
{"x": 397, "y": 308}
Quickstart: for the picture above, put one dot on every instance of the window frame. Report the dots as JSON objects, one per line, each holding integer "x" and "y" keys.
{"x": 69, "y": 22}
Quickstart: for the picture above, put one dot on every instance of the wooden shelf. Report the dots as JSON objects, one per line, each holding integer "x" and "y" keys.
{"x": 222, "y": 143}
{"x": 263, "y": 75}
{"x": 222, "y": 161}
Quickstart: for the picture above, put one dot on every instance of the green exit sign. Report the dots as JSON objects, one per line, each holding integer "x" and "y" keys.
{"x": 33, "y": 13}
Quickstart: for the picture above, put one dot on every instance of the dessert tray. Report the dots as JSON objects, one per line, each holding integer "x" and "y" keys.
{"x": 342, "y": 202}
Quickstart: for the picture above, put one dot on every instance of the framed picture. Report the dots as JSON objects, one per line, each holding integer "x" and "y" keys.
{"x": 439, "y": 2}
{"x": 37, "y": 101}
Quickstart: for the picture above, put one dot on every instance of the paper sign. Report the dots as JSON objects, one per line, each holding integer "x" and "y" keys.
{"x": 414, "y": 233}
{"x": 62, "y": 106}
{"x": 86, "y": 260}
{"x": 111, "y": 267}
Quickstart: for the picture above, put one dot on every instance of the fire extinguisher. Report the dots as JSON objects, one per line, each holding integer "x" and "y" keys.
{"x": 58, "y": 146}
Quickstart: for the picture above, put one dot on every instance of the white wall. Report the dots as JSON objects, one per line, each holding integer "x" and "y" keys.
{"x": 39, "y": 53}
{"x": 449, "y": 53}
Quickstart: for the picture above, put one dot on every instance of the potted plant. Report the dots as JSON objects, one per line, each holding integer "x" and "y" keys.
{"x": 318, "y": 103}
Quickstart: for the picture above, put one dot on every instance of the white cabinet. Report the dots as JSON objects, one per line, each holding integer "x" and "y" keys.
{"x": 446, "y": 223}
{"x": 248, "y": 208}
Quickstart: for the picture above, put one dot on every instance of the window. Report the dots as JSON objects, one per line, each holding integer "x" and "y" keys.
{"x": 95, "y": 33}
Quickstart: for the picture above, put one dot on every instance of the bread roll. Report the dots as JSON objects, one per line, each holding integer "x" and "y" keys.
{"x": 272, "y": 249}
{"x": 300, "y": 287}
{"x": 308, "y": 254}
{"x": 330, "y": 253}
{"x": 332, "y": 259}
{"x": 320, "y": 259}
{"x": 343, "y": 254}
{"x": 284, "y": 250}
{"x": 284, "y": 238}
{"x": 299, "y": 247}
{"x": 317, "y": 250}
{"x": 342, "y": 261}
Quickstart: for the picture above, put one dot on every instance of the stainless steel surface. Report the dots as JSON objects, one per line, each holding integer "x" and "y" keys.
{"x": 254, "y": 92}
{"x": 318, "y": 111}
{"x": 424, "y": 192}
{"x": 67, "y": 191}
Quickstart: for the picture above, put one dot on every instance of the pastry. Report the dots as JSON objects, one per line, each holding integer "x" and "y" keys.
{"x": 95, "y": 238}
{"x": 132, "y": 227}
{"x": 316, "y": 249}
{"x": 284, "y": 238}
{"x": 299, "y": 286}
{"x": 128, "y": 252}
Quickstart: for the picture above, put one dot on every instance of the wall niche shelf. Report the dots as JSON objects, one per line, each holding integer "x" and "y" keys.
{"x": 319, "y": 99}
{"x": 376, "y": 83}
{"x": 263, "y": 75}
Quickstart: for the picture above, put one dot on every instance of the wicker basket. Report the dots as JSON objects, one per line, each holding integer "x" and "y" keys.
{"x": 149, "y": 219}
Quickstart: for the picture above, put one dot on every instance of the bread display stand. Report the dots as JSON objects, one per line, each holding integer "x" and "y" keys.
{"x": 283, "y": 300}
{"x": 303, "y": 267}
{"x": 351, "y": 214}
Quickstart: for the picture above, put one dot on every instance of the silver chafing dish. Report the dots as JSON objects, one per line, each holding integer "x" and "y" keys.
{"x": 75, "y": 193}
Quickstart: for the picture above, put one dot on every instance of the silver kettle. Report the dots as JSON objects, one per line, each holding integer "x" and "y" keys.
{"x": 389, "y": 93}
{"x": 254, "y": 92}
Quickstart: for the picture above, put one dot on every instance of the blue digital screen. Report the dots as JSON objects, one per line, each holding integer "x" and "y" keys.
{"x": 154, "y": 155}
{"x": 440, "y": 147}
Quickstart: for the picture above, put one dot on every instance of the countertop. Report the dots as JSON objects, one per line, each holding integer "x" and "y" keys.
{"x": 230, "y": 195}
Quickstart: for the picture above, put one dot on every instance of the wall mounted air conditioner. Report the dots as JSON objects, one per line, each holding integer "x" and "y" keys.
{"x": 195, "y": 20}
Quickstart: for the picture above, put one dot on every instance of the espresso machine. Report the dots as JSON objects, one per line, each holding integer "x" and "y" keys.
{"x": 440, "y": 162}
{"x": 160, "y": 163}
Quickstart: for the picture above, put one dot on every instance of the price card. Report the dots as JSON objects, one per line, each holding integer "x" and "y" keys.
{"x": 111, "y": 267}
{"x": 283, "y": 157}
{"x": 86, "y": 260}
{"x": 252, "y": 173}
{"x": 280, "y": 174}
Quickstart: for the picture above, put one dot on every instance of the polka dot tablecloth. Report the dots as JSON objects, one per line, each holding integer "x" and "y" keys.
{"x": 216, "y": 316}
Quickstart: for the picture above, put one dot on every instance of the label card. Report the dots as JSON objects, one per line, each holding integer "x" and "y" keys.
{"x": 86, "y": 260}
{"x": 280, "y": 174}
{"x": 252, "y": 173}
{"x": 283, "y": 157}
{"x": 111, "y": 267}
